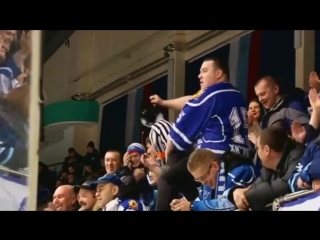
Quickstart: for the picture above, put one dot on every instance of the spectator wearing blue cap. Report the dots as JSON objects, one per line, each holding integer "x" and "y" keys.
{"x": 107, "y": 191}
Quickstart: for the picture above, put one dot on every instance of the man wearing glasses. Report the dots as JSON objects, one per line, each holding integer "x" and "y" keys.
{"x": 216, "y": 181}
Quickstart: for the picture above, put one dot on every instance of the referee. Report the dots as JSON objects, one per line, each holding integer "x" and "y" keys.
{"x": 176, "y": 179}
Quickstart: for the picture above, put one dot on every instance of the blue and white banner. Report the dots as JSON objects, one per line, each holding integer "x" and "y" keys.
{"x": 13, "y": 192}
{"x": 307, "y": 203}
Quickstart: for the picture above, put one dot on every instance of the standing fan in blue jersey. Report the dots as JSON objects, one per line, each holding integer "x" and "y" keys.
{"x": 150, "y": 116}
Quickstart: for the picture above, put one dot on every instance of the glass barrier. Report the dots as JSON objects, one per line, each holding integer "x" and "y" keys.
{"x": 19, "y": 118}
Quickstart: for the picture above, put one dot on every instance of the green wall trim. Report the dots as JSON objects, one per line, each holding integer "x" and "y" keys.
{"x": 68, "y": 112}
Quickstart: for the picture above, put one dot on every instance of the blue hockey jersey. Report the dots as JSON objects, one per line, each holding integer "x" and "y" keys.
{"x": 125, "y": 205}
{"x": 210, "y": 200}
{"x": 215, "y": 119}
{"x": 308, "y": 168}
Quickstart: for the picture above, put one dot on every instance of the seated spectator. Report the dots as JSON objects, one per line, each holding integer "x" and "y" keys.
{"x": 279, "y": 155}
{"x": 64, "y": 177}
{"x": 131, "y": 158}
{"x": 76, "y": 171}
{"x": 73, "y": 180}
{"x": 74, "y": 161}
{"x": 64, "y": 199}
{"x": 113, "y": 163}
{"x": 109, "y": 195}
{"x": 92, "y": 158}
{"x": 132, "y": 161}
{"x": 72, "y": 153}
{"x": 255, "y": 114}
{"x": 218, "y": 176}
{"x": 86, "y": 197}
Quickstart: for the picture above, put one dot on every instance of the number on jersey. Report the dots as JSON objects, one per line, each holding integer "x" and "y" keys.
{"x": 237, "y": 123}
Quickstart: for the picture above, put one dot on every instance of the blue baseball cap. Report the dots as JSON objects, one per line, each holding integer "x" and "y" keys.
{"x": 85, "y": 185}
{"x": 108, "y": 178}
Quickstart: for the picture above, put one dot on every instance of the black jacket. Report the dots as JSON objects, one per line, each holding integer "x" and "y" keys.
{"x": 273, "y": 184}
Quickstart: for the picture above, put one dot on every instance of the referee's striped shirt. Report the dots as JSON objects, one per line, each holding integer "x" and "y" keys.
{"x": 159, "y": 135}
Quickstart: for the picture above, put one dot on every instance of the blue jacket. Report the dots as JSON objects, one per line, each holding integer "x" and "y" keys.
{"x": 308, "y": 168}
{"x": 242, "y": 175}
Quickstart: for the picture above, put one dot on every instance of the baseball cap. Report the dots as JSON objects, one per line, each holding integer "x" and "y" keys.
{"x": 108, "y": 178}
{"x": 85, "y": 185}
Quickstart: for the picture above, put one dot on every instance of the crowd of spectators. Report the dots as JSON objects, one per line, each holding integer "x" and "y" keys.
{"x": 219, "y": 155}
{"x": 174, "y": 171}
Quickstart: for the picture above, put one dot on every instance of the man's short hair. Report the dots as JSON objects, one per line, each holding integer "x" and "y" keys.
{"x": 200, "y": 157}
{"x": 117, "y": 151}
{"x": 220, "y": 64}
{"x": 274, "y": 137}
{"x": 271, "y": 80}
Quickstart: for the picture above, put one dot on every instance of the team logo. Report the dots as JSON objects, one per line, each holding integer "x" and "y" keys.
{"x": 133, "y": 205}
{"x": 198, "y": 94}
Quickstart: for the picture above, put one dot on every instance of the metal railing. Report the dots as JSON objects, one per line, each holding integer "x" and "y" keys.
{"x": 290, "y": 197}
{"x": 287, "y": 198}
{"x": 55, "y": 165}
{"x": 6, "y": 170}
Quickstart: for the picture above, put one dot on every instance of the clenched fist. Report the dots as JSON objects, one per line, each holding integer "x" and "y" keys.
{"x": 155, "y": 99}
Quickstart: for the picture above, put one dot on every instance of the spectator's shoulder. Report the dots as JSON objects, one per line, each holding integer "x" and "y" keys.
{"x": 242, "y": 174}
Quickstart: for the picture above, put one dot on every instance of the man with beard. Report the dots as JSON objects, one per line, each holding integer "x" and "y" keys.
{"x": 86, "y": 197}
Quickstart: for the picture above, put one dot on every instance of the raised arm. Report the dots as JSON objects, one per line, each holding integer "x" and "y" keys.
{"x": 190, "y": 122}
{"x": 175, "y": 104}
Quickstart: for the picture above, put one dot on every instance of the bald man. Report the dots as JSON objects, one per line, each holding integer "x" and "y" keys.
{"x": 64, "y": 199}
